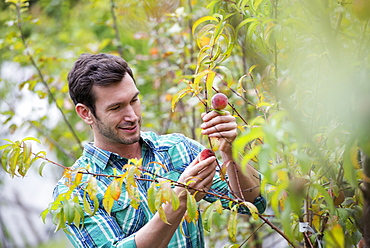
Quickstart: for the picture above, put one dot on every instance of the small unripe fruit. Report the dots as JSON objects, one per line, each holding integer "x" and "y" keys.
{"x": 219, "y": 101}
{"x": 206, "y": 153}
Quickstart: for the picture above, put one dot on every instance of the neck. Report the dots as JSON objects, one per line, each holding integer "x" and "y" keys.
{"x": 125, "y": 151}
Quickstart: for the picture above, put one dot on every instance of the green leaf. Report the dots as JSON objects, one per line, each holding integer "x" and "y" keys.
{"x": 5, "y": 146}
{"x": 87, "y": 206}
{"x": 162, "y": 215}
{"x": 192, "y": 207}
{"x": 207, "y": 217}
{"x": 248, "y": 156}
{"x": 177, "y": 97}
{"x": 79, "y": 212}
{"x": 231, "y": 225}
{"x": 13, "y": 160}
{"x": 334, "y": 236}
{"x": 108, "y": 201}
{"x": 218, "y": 206}
{"x": 151, "y": 197}
{"x": 252, "y": 209}
{"x": 244, "y": 22}
{"x": 31, "y": 138}
{"x": 44, "y": 214}
{"x": 4, "y": 159}
{"x": 27, "y": 152}
{"x": 96, "y": 205}
{"x": 92, "y": 187}
{"x": 41, "y": 168}
{"x": 202, "y": 20}
{"x": 326, "y": 195}
{"x": 175, "y": 201}
{"x": 69, "y": 211}
{"x": 350, "y": 163}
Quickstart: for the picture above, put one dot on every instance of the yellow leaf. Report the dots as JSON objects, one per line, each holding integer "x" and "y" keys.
{"x": 108, "y": 200}
{"x": 192, "y": 207}
{"x": 224, "y": 169}
{"x": 231, "y": 226}
{"x": 218, "y": 206}
{"x": 166, "y": 191}
{"x": 87, "y": 206}
{"x": 162, "y": 215}
{"x": 175, "y": 201}
{"x": 180, "y": 94}
{"x": 334, "y": 237}
{"x": 78, "y": 178}
{"x": 201, "y": 20}
{"x": 115, "y": 189}
{"x": 207, "y": 217}
{"x": 252, "y": 209}
{"x": 151, "y": 197}
{"x": 92, "y": 187}
{"x": 209, "y": 84}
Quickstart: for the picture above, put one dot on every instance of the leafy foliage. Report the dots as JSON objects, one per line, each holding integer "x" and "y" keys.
{"x": 296, "y": 74}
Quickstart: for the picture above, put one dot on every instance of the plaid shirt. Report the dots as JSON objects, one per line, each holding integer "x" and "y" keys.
{"x": 118, "y": 229}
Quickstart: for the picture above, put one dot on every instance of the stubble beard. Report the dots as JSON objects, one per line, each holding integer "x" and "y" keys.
{"x": 112, "y": 134}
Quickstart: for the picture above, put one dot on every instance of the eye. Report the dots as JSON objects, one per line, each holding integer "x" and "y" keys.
{"x": 135, "y": 100}
{"x": 115, "y": 108}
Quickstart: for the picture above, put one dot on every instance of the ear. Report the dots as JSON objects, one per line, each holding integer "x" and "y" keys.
{"x": 85, "y": 113}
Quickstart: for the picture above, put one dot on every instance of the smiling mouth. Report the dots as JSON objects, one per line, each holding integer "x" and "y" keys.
{"x": 129, "y": 129}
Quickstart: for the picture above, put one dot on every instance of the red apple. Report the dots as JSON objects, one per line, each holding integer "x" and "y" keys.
{"x": 206, "y": 153}
{"x": 219, "y": 101}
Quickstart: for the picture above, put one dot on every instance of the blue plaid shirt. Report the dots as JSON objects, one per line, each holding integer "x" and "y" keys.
{"x": 118, "y": 229}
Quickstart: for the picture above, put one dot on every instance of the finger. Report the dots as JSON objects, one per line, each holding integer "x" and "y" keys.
{"x": 201, "y": 183}
{"x": 227, "y": 129}
{"x": 208, "y": 179}
{"x": 212, "y": 114}
{"x": 218, "y": 120}
{"x": 203, "y": 170}
{"x": 196, "y": 167}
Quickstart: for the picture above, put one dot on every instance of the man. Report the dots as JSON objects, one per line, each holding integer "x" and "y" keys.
{"x": 105, "y": 95}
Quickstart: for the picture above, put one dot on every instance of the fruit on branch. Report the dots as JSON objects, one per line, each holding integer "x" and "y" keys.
{"x": 219, "y": 101}
{"x": 206, "y": 153}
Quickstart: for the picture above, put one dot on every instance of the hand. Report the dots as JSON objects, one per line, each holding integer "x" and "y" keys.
{"x": 222, "y": 127}
{"x": 199, "y": 176}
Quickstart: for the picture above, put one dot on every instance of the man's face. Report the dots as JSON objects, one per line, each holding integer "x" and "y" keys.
{"x": 118, "y": 116}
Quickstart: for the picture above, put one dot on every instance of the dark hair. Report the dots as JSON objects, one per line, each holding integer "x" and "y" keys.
{"x": 95, "y": 69}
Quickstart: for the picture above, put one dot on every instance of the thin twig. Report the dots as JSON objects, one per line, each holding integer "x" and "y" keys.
{"x": 237, "y": 201}
{"x": 41, "y": 76}
{"x": 115, "y": 27}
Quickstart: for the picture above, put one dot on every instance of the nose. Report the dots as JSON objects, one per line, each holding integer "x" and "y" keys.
{"x": 131, "y": 114}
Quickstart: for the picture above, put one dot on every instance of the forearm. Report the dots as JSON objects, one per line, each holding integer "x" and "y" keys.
{"x": 157, "y": 233}
{"x": 245, "y": 186}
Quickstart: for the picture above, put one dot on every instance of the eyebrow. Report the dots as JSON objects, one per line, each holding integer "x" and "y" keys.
{"x": 119, "y": 103}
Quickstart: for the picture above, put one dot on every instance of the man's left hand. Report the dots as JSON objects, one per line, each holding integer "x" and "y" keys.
{"x": 220, "y": 126}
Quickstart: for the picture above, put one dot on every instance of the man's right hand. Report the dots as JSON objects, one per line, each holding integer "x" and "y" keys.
{"x": 198, "y": 176}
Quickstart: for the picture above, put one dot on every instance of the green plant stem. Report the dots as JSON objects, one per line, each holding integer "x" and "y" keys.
{"x": 277, "y": 230}
{"x": 41, "y": 76}
{"x": 115, "y": 27}
{"x": 252, "y": 234}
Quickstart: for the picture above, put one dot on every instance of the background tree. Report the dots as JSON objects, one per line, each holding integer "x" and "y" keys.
{"x": 296, "y": 74}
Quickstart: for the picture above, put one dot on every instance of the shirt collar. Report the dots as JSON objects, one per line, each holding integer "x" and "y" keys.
{"x": 102, "y": 157}
{"x": 97, "y": 154}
